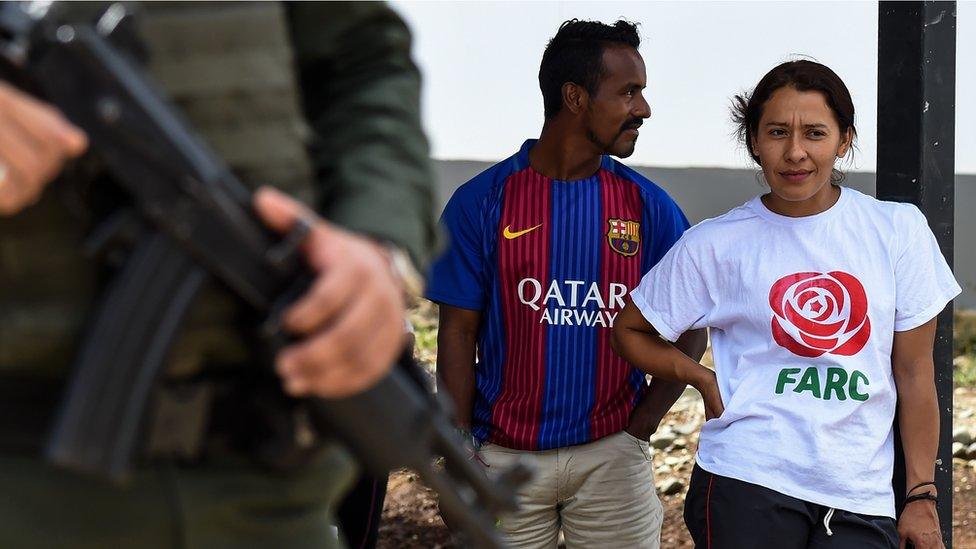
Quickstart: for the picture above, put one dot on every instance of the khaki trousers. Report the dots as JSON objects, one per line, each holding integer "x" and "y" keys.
{"x": 600, "y": 494}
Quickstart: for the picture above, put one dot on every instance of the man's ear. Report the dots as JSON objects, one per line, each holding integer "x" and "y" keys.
{"x": 575, "y": 97}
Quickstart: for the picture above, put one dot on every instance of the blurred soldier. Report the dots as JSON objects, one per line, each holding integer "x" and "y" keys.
{"x": 320, "y": 100}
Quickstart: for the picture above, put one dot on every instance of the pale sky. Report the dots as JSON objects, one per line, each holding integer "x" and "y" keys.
{"x": 480, "y": 62}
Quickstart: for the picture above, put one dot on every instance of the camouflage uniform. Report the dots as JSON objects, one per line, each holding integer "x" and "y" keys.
{"x": 320, "y": 100}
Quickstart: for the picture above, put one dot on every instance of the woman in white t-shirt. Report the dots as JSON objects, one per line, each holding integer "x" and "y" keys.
{"x": 821, "y": 303}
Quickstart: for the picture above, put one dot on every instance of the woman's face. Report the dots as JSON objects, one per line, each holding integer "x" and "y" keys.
{"x": 797, "y": 142}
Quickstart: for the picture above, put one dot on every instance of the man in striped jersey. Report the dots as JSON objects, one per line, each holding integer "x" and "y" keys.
{"x": 544, "y": 248}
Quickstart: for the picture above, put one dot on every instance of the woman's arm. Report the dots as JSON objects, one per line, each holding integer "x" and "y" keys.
{"x": 918, "y": 420}
{"x": 639, "y": 344}
{"x": 663, "y": 393}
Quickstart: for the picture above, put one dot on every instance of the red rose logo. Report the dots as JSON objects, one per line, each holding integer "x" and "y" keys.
{"x": 817, "y": 313}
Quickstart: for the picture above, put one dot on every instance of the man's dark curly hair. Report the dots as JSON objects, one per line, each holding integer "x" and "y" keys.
{"x": 575, "y": 55}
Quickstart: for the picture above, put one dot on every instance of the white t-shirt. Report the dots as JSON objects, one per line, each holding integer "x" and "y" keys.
{"x": 802, "y": 313}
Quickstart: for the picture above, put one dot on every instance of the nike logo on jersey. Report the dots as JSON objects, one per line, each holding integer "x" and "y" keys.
{"x": 507, "y": 233}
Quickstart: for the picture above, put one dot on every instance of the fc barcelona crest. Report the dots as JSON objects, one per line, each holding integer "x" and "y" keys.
{"x": 624, "y": 236}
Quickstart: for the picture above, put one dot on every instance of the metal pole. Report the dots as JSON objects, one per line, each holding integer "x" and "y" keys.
{"x": 916, "y": 125}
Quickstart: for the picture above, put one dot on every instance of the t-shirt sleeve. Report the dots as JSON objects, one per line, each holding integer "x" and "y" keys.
{"x": 674, "y": 296}
{"x": 669, "y": 224}
{"x": 924, "y": 283}
{"x": 457, "y": 276}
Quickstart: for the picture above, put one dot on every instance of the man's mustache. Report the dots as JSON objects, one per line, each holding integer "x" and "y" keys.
{"x": 632, "y": 124}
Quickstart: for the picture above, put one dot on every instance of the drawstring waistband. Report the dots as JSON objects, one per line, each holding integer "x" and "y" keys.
{"x": 827, "y": 517}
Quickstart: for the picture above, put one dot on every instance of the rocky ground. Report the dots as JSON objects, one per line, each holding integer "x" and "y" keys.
{"x": 411, "y": 520}
{"x": 964, "y": 469}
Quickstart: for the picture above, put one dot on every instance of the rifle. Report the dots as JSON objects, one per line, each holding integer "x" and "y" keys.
{"x": 197, "y": 224}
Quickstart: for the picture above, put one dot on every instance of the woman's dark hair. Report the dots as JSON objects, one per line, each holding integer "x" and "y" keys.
{"x": 575, "y": 55}
{"x": 802, "y": 75}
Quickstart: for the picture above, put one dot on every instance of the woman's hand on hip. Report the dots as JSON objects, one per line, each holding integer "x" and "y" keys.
{"x": 919, "y": 524}
{"x": 707, "y": 385}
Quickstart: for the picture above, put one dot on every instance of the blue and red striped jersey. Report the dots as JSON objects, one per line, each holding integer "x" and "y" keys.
{"x": 548, "y": 264}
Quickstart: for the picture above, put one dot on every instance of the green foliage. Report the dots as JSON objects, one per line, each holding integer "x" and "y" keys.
{"x": 423, "y": 317}
{"x": 427, "y": 340}
{"x": 964, "y": 349}
{"x": 964, "y": 333}
{"x": 964, "y": 371}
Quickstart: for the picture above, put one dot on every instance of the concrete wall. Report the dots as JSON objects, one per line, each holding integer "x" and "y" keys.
{"x": 706, "y": 192}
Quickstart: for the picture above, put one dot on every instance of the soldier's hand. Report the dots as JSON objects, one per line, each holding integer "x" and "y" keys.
{"x": 351, "y": 319}
{"x": 35, "y": 142}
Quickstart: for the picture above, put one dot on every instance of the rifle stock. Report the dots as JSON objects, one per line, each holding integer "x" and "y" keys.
{"x": 410, "y": 425}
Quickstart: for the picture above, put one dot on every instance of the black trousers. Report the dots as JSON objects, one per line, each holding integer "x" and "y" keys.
{"x": 725, "y": 513}
{"x": 360, "y": 513}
